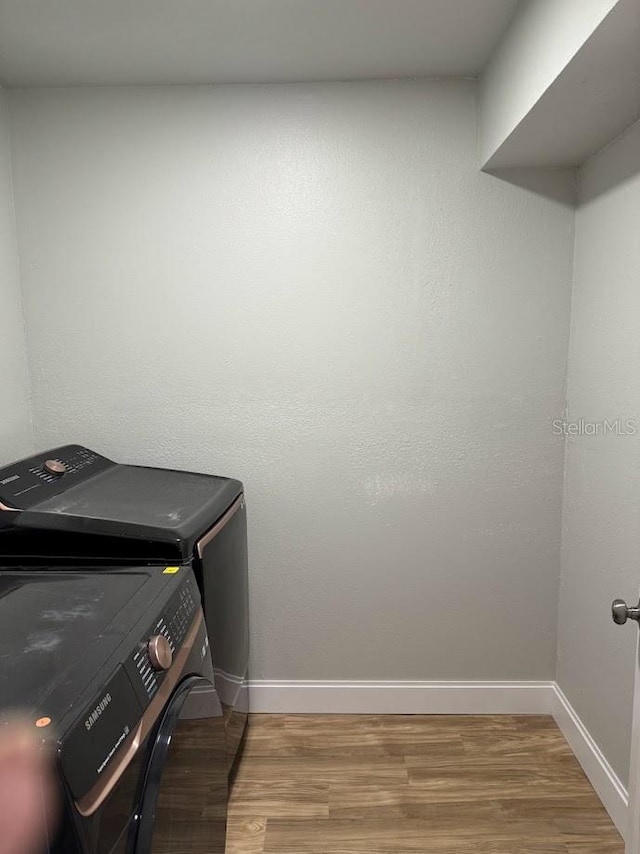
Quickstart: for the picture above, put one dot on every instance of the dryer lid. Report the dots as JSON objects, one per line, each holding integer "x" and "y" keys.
{"x": 93, "y": 495}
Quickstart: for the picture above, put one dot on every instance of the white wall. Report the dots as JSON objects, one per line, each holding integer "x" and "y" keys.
{"x": 16, "y": 439}
{"x": 314, "y": 289}
{"x": 601, "y": 530}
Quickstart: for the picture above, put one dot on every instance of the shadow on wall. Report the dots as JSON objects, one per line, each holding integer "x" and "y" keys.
{"x": 624, "y": 167}
{"x": 543, "y": 182}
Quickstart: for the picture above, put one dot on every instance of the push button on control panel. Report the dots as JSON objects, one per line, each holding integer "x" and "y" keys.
{"x": 183, "y": 615}
{"x": 146, "y": 674}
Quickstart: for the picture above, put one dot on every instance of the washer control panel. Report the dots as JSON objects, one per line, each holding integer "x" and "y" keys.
{"x": 28, "y": 482}
{"x": 162, "y": 641}
{"x": 144, "y": 642}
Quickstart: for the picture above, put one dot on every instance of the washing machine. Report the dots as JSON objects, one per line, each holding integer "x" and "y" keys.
{"x": 113, "y": 670}
{"x": 71, "y": 505}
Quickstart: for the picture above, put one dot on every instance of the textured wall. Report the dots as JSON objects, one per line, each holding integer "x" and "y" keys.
{"x": 314, "y": 289}
{"x": 16, "y": 439}
{"x": 601, "y": 530}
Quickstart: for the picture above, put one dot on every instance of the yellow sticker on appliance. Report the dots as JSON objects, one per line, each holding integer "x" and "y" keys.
{"x": 171, "y": 570}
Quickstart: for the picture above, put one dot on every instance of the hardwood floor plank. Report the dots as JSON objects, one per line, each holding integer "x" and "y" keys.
{"x": 245, "y": 835}
{"x": 321, "y": 769}
{"x": 367, "y": 803}
{"x": 288, "y": 799}
{"x": 573, "y": 816}
{"x": 596, "y": 847}
{"x": 519, "y": 742}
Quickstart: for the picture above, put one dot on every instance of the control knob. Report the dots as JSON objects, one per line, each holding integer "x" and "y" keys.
{"x": 55, "y": 467}
{"x": 160, "y": 654}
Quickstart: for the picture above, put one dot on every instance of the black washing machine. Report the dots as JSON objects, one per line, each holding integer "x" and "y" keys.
{"x": 72, "y": 505}
{"x": 113, "y": 669}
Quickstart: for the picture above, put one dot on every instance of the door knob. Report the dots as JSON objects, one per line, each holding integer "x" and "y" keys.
{"x": 621, "y": 612}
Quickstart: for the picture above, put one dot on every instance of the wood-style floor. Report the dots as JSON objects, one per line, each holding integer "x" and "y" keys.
{"x": 379, "y": 784}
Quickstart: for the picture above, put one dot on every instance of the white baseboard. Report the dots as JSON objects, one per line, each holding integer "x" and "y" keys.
{"x": 449, "y": 698}
{"x": 601, "y": 775}
{"x": 403, "y": 698}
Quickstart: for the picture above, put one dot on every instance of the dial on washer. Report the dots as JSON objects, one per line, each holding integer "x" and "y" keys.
{"x": 55, "y": 467}
{"x": 160, "y": 654}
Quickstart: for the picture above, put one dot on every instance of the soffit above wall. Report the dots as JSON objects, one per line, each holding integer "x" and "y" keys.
{"x": 592, "y": 96}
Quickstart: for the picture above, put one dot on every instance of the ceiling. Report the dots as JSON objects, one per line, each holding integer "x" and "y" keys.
{"x": 113, "y": 42}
